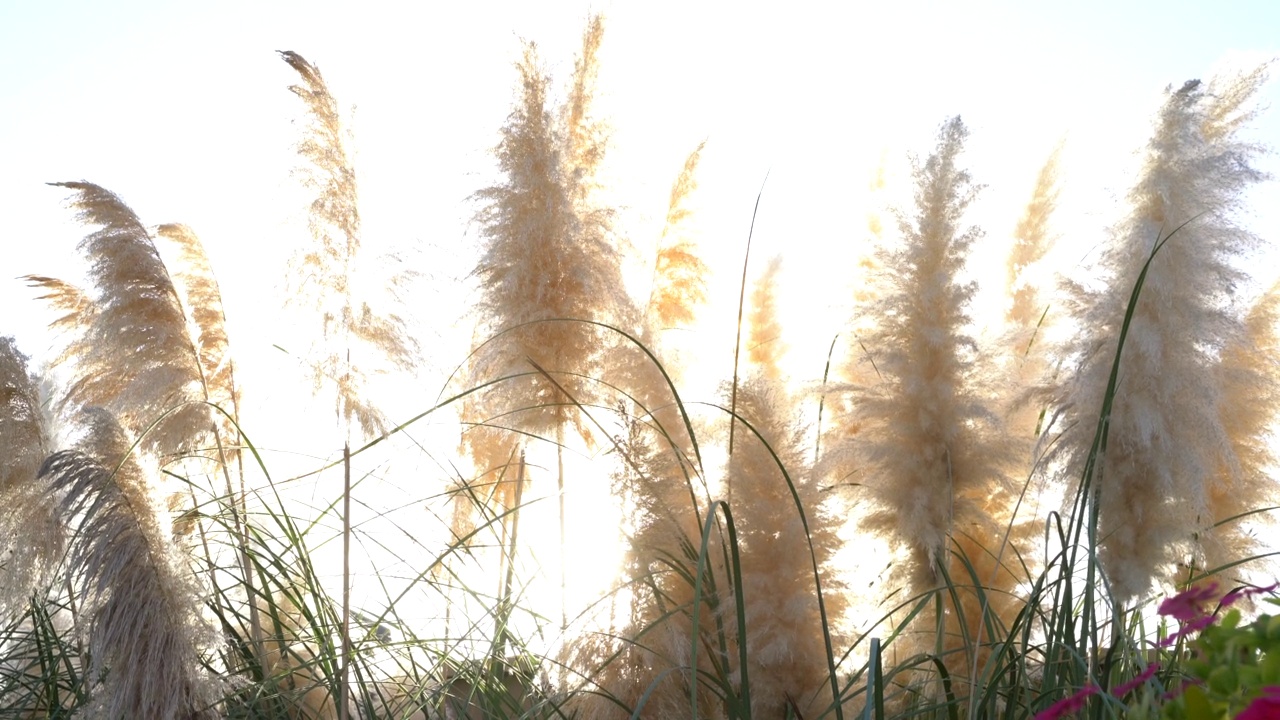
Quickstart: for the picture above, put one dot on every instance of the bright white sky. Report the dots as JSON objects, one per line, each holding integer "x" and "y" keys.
{"x": 181, "y": 109}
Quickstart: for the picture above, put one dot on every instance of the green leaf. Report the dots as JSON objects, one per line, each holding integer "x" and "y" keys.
{"x": 1224, "y": 680}
{"x": 1273, "y": 627}
{"x": 1197, "y": 704}
{"x": 1269, "y": 669}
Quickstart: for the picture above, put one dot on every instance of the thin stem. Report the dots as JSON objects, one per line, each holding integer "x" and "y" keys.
{"x": 564, "y": 565}
{"x": 742, "y": 300}
{"x": 504, "y": 607}
{"x": 344, "y": 712}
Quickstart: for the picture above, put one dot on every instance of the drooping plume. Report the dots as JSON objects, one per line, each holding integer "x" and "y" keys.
{"x": 30, "y": 537}
{"x": 139, "y": 604}
{"x": 204, "y": 307}
{"x": 78, "y": 313}
{"x": 1170, "y": 432}
{"x": 356, "y": 339}
{"x": 132, "y": 351}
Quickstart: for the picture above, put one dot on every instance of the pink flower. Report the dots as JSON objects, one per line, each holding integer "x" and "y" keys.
{"x": 1189, "y": 605}
{"x": 1187, "y": 628}
{"x": 1068, "y": 705}
{"x": 1243, "y": 592}
{"x": 1264, "y": 707}
{"x": 1142, "y": 677}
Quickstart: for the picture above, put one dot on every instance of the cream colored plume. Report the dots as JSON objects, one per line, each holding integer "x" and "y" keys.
{"x": 1172, "y": 439}
{"x": 30, "y": 536}
{"x": 357, "y": 339}
{"x": 131, "y": 350}
{"x": 140, "y": 606}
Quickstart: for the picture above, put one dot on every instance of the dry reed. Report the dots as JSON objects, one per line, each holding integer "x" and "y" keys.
{"x": 930, "y": 448}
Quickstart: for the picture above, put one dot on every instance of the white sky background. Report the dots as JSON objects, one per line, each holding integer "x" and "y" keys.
{"x": 182, "y": 110}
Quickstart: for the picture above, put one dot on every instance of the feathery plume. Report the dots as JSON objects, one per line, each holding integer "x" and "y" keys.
{"x": 1166, "y": 434}
{"x": 139, "y": 603}
{"x": 679, "y": 274}
{"x": 930, "y": 447}
{"x": 545, "y": 257}
{"x": 354, "y": 339}
{"x": 204, "y": 305}
{"x": 1032, "y": 238}
{"x": 548, "y": 261}
{"x": 1027, "y": 316}
{"x": 1250, "y": 378}
{"x": 936, "y": 463}
{"x": 208, "y": 327}
{"x": 764, "y": 339}
{"x": 784, "y": 628}
{"x": 677, "y": 288}
{"x": 133, "y": 354}
{"x": 30, "y": 537}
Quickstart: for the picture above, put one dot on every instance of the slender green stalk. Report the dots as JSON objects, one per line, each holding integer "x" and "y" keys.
{"x": 742, "y": 303}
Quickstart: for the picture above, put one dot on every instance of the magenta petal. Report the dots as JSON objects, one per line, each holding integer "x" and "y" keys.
{"x": 1142, "y": 677}
{"x": 1189, "y": 604}
{"x": 1264, "y": 707}
{"x": 1188, "y": 628}
{"x": 1244, "y": 592}
{"x": 1067, "y": 705}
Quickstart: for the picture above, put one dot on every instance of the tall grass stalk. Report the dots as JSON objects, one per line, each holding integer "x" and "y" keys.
{"x": 349, "y": 324}
{"x": 548, "y": 251}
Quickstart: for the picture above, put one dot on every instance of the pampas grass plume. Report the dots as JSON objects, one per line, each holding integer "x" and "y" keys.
{"x": 356, "y": 340}
{"x": 547, "y": 259}
{"x": 764, "y": 338}
{"x": 30, "y": 536}
{"x": 1168, "y": 432}
{"x": 1250, "y": 377}
{"x": 679, "y": 274}
{"x": 930, "y": 447}
{"x": 133, "y": 354}
{"x": 784, "y": 629}
{"x": 203, "y": 300}
{"x": 139, "y": 601}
